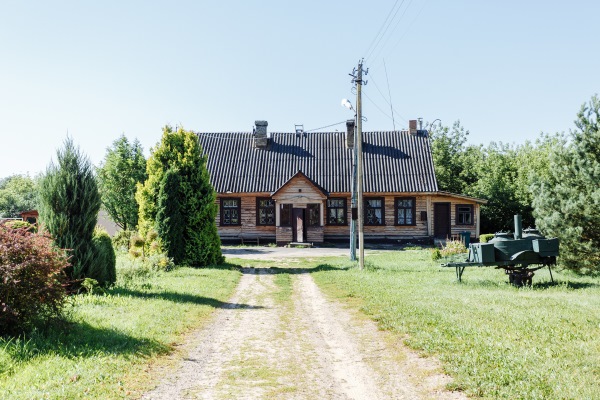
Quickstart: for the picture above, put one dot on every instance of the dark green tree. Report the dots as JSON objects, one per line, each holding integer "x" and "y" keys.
{"x": 181, "y": 150}
{"x": 170, "y": 221}
{"x": 18, "y": 193}
{"x": 103, "y": 268}
{"x": 567, "y": 201}
{"x": 123, "y": 168}
{"x": 68, "y": 205}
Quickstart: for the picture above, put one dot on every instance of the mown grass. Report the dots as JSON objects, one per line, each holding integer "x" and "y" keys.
{"x": 496, "y": 340}
{"x": 104, "y": 348}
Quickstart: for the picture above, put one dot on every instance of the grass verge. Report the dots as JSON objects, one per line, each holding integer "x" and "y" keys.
{"x": 104, "y": 348}
{"x": 496, "y": 340}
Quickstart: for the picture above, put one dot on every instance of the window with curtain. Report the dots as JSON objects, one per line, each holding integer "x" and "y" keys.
{"x": 405, "y": 211}
{"x": 374, "y": 211}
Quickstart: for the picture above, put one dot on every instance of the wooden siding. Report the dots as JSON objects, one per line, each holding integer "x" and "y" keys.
{"x": 284, "y": 234}
{"x": 454, "y": 228}
{"x": 248, "y": 227}
{"x": 308, "y": 195}
{"x": 389, "y": 230}
{"x": 314, "y": 234}
{"x": 299, "y": 190}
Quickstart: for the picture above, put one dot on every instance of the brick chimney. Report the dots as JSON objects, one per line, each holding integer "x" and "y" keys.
{"x": 412, "y": 126}
{"x": 350, "y": 133}
{"x": 260, "y": 134}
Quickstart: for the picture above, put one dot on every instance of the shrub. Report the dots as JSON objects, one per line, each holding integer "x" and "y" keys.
{"x": 122, "y": 239}
{"x": 103, "y": 266}
{"x": 436, "y": 254}
{"x": 17, "y": 224}
{"x": 453, "y": 247}
{"x": 32, "y": 270}
{"x": 486, "y": 237}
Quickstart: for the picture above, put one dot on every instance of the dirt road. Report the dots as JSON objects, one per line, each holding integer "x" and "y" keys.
{"x": 281, "y": 338}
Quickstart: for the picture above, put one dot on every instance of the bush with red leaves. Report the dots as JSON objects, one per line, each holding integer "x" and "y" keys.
{"x": 31, "y": 274}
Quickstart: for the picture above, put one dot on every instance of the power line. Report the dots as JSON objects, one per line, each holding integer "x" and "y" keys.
{"x": 390, "y": 94}
{"x": 385, "y": 30}
{"x": 375, "y": 104}
{"x": 409, "y": 26}
{"x": 237, "y": 137}
{"x": 392, "y": 31}
{"x": 385, "y": 99}
{"x": 381, "y": 27}
{"x": 327, "y": 126}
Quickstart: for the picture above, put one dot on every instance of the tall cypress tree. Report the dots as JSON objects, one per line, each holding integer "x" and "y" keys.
{"x": 567, "y": 201}
{"x": 68, "y": 206}
{"x": 181, "y": 150}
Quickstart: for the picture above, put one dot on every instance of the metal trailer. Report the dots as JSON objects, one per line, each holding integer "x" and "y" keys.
{"x": 519, "y": 254}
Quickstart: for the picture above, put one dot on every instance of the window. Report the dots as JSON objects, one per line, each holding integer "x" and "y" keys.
{"x": 314, "y": 215}
{"x": 374, "y": 211}
{"x": 285, "y": 215}
{"x": 230, "y": 212}
{"x": 265, "y": 211}
{"x": 464, "y": 214}
{"x": 336, "y": 212}
{"x": 405, "y": 211}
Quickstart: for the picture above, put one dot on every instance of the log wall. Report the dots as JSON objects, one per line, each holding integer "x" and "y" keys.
{"x": 422, "y": 228}
{"x": 248, "y": 227}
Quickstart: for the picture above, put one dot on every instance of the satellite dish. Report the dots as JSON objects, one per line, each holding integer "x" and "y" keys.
{"x": 346, "y": 103}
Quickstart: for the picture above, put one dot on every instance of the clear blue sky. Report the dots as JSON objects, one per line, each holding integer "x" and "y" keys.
{"x": 508, "y": 70}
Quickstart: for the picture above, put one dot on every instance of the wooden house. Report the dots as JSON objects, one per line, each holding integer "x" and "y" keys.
{"x": 296, "y": 187}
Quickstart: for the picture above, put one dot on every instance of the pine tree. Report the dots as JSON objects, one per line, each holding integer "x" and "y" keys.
{"x": 181, "y": 150}
{"x": 170, "y": 222}
{"x": 69, "y": 202}
{"x": 567, "y": 201}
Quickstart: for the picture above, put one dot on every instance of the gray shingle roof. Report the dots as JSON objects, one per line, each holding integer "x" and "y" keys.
{"x": 394, "y": 161}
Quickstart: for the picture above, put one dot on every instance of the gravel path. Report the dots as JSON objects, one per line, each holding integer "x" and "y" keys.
{"x": 281, "y": 338}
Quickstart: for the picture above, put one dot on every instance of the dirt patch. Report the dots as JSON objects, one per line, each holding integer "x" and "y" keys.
{"x": 282, "y": 339}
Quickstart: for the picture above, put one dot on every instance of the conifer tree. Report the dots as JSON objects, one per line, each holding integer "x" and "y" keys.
{"x": 68, "y": 206}
{"x": 170, "y": 222}
{"x": 567, "y": 201}
{"x": 181, "y": 150}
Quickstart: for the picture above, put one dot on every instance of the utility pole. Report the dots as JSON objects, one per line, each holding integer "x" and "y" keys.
{"x": 354, "y": 206}
{"x": 358, "y": 79}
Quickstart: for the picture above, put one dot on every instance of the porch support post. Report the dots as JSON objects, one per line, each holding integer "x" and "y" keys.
{"x": 429, "y": 216}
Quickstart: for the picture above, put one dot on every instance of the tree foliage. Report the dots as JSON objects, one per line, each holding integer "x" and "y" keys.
{"x": 170, "y": 221}
{"x": 124, "y": 166}
{"x": 567, "y": 198}
{"x": 18, "y": 193}
{"x": 104, "y": 266}
{"x": 31, "y": 268}
{"x": 181, "y": 150}
{"x": 499, "y": 173}
{"x": 69, "y": 202}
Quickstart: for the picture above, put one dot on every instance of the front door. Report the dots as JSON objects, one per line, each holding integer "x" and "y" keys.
{"x": 441, "y": 220}
{"x": 298, "y": 225}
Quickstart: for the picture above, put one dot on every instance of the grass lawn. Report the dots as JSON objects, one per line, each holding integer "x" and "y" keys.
{"x": 496, "y": 340}
{"x": 109, "y": 340}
